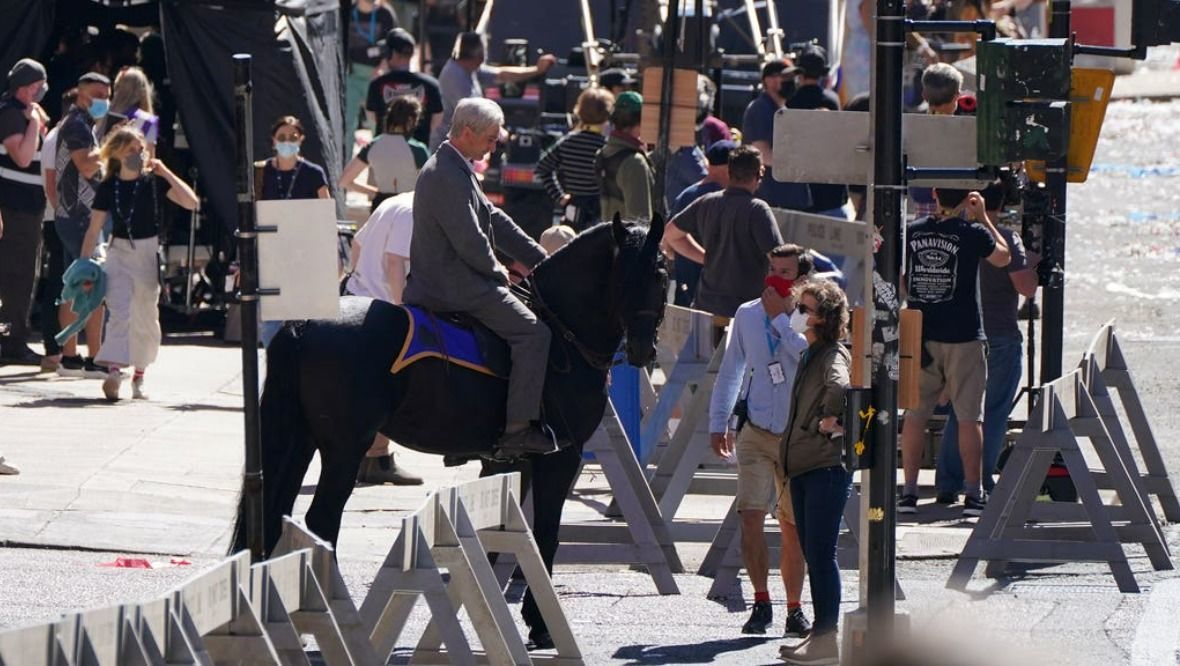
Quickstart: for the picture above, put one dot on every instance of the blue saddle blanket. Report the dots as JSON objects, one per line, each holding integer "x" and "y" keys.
{"x": 434, "y": 336}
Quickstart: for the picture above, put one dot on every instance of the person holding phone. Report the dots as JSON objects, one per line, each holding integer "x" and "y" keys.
{"x": 941, "y": 277}
{"x": 761, "y": 355}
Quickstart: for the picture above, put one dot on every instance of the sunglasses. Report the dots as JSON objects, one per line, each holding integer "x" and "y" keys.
{"x": 287, "y": 137}
{"x": 804, "y": 310}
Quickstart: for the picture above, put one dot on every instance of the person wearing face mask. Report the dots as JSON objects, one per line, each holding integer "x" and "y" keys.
{"x": 22, "y": 204}
{"x": 287, "y": 175}
{"x": 130, "y": 195}
{"x": 778, "y": 83}
{"x": 762, "y": 351}
{"x": 78, "y": 169}
{"x": 812, "y": 452}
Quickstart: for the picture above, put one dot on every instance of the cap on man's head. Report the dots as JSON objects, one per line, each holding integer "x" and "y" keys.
{"x": 26, "y": 71}
{"x": 812, "y": 61}
{"x": 775, "y": 67}
{"x": 93, "y": 77}
{"x": 399, "y": 41}
{"x": 614, "y": 77}
{"x": 629, "y": 102}
{"x": 718, "y": 153}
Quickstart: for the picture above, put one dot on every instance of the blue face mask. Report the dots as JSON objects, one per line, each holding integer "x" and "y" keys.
{"x": 98, "y": 108}
{"x": 287, "y": 148}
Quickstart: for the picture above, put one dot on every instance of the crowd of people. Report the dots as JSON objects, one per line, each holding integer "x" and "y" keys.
{"x": 91, "y": 187}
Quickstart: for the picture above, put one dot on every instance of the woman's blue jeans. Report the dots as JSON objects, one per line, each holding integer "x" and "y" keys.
{"x": 1004, "y": 369}
{"x": 819, "y": 497}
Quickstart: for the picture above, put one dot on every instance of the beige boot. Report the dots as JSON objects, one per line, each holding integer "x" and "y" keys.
{"x": 818, "y": 650}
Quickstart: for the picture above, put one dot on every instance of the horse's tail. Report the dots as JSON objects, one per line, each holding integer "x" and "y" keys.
{"x": 283, "y": 435}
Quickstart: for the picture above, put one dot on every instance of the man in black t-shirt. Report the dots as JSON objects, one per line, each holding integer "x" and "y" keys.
{"x": 943, "y": 254}
{"x": 22, "y": 204}
{"x": 399, "y": 81}
{"x": 810, "y": 94}
{"x": 370, "y": 21}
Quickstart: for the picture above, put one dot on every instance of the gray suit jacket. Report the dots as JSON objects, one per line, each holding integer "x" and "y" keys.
{"x": 452, "y": 263}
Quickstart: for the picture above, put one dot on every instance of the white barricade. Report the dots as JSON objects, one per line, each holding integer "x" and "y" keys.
{"x": 1015, "y": 527}
{"x": 237, "y": 613}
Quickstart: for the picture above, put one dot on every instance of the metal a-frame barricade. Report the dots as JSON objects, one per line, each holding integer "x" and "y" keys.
{"x": 1015, "y": 527}
{"x": 644, "y": 538}
{"x": 1105, "y": 369}
{"x": 455, "y": 529}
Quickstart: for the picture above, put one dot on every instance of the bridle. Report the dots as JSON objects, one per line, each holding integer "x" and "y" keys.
{"x": 599, "y": 360}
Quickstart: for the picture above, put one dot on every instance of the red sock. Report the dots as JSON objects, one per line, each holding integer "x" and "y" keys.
{"x": 792, "y": 605}
{"x": 762, "y": 596}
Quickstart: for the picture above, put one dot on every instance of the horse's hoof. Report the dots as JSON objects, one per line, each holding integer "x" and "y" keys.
{"x": 540, "y": 640}
{"x": 381, "y": 470}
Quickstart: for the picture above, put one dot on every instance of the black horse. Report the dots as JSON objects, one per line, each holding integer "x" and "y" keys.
{"x": 329, "y": 387}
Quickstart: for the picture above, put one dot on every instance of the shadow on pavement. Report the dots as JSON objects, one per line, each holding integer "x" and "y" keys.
{"x": 202, "y": 407}
{"x": 688, "y": 653}
{"x": 72, "y": 402}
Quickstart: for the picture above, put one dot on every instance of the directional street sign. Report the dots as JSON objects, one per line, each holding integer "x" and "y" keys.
{"x": 834, "y": 146}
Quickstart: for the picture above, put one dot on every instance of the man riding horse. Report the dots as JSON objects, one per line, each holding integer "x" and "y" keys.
{"x": 454, "y": 266}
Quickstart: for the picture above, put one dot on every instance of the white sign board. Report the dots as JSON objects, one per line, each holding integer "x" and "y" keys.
{"x": 829, "y": 235}
{"x": 835, "y": 146}
{"x": 299, "y": 259}
{"x": 678, "y": 326}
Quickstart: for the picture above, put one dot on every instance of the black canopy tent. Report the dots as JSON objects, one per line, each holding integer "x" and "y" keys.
{"x": 298, "y": 67}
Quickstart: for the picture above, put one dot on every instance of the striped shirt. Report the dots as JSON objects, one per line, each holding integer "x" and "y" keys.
{"x": 568, "y": 166}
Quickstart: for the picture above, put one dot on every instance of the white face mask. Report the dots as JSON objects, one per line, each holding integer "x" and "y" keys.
{"x": 798, "y": 322}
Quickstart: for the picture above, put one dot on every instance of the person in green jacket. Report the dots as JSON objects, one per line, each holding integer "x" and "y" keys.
{"x": 623, "y": 166}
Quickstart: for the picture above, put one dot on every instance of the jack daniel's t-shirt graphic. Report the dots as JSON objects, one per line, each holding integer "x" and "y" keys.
{"x": 942, "y": 276}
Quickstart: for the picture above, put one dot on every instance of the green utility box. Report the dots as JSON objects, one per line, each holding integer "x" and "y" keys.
{"x": 1023, "y": 95}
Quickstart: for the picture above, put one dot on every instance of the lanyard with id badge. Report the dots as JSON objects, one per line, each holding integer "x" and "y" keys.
{"x": 774, "y": 368}
{"x": 374, "y": 50}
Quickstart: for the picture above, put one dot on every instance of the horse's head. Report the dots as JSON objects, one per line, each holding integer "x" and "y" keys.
{"x": 641, "y": 287}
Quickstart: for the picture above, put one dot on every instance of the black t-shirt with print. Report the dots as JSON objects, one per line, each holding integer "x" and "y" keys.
{"x": 132, "y": 204}
{"x": 942, "y": 276}
{"x": 302, "y": 182}
{"x": 388, "y": 87}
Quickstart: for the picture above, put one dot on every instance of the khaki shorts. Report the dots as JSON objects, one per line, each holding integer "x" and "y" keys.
{"x": 760, "y": 474}
{"x": 959, "y": 370}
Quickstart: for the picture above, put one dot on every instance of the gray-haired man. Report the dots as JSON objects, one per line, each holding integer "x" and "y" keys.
{"x": 452, "y": 252}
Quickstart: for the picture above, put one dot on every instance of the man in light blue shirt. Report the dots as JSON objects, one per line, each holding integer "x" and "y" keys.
{"x": 762, "y": 352}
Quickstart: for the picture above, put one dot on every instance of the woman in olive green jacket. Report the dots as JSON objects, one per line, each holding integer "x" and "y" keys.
{"x": 812, "y": 457}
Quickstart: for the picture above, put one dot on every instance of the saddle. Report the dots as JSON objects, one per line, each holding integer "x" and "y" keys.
{"x": 456, "y": 338}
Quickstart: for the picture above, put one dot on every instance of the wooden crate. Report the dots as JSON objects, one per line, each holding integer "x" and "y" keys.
{"x": 684, "y": 106}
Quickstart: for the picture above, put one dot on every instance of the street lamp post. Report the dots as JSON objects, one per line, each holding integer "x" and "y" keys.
{"x": 248, "y": 286}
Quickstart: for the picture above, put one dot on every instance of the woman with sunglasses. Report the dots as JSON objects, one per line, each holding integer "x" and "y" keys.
{"x": 287, "y": 175}
{"x": 130, "y": 195}
{"x": 813, "y": 460}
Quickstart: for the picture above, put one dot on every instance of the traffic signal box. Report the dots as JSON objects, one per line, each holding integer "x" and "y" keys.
{"x": 1155, "y": 22}
{"x": 1024, "y": 87}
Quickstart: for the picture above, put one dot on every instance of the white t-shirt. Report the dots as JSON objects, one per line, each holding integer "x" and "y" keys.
{"x": 388, "y": 231}
{"x": 49, "y": 147}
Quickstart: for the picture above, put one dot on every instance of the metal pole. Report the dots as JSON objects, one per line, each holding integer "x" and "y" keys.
{"x": 888, "y": 189}
{"x": 663, "y": 151}
{"x": 1054, "y": 246}
{"x": 248, "y": 275}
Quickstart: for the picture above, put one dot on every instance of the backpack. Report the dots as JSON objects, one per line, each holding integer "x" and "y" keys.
{"x": 606, "y": 169}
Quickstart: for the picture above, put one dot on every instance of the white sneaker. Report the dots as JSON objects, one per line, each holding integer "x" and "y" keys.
{"x": 110, "y": 385}
{"x": 137, "y": 389}
{"x": 6, "y": 468}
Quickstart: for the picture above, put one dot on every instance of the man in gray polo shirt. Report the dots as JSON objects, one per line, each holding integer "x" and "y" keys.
{"x": 466, "y": 75}
{"x": 729, "y": 233}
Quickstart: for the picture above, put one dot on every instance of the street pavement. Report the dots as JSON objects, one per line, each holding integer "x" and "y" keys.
{"x": 159, "y": 479}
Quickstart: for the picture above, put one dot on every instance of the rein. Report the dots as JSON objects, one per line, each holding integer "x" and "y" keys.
{"x": 595, "y": 359}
